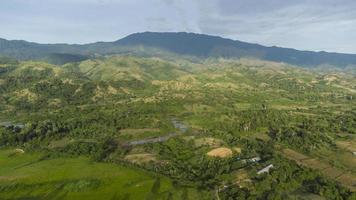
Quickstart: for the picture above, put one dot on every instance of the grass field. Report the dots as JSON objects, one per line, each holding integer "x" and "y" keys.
{"x": 26, "y": 176}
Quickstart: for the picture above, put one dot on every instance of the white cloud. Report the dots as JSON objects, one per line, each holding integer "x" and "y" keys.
{"x": 310, "y": 25}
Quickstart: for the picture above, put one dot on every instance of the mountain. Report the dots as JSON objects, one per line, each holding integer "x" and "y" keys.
{"x": 186, "y": 44}
{"x": 212, "y": 46}
{"x": 24, "y": 50}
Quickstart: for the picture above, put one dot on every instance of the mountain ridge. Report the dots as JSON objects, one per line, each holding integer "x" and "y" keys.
{"x": 180, "y": 43}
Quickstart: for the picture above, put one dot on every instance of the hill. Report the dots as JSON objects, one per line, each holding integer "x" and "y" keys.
{"x": 181, "y": 44}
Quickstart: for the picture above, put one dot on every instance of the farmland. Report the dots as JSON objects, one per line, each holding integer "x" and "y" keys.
{"x": 120, "y": 127}
{"x": 345, "y": 177}
{"x": 27, "y": 176}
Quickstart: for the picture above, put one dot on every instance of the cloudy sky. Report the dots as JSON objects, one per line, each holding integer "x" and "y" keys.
{"x": 328, "y": 25}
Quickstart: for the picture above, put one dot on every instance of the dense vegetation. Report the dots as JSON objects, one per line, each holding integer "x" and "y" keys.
{"x": 207, "y": 127}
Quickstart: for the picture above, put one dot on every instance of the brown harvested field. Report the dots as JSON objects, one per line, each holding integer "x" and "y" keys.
{"x": 315, "y": 164}
{"x": 346, "y": 179}
{"x": 340, "y": 156}
{"x": 347, "y": 159}
{"x": 349, "y": 180}
{"x": 221, "y": 152}
{"x": 294, "y": 155}
{"x": 332, "y": 172}
{"x": 130, "y": 131}
{"x": 347, "y": 145}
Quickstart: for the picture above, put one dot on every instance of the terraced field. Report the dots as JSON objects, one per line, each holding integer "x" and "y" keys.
{"x": 344, "y": 177}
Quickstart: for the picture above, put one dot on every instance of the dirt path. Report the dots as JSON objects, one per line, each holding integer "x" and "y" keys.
{"x": 344, "y": 178}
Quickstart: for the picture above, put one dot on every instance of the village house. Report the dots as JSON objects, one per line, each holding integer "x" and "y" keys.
{"x": 265, "y": 170}
{"x": 255, "y": 159}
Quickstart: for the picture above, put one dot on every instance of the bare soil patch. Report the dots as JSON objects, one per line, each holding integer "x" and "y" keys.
{"x": 221, "y": 152}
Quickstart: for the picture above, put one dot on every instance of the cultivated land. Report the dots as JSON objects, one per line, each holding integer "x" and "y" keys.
{"x": 342, "y": 176}
{"x": 126, "y": 127}
{"x": 27, "y": 176}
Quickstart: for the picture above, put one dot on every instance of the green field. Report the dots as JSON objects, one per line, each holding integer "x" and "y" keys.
{"x": 24, "y": 176}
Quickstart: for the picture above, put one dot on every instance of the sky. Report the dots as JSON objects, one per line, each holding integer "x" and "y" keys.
{"x": 320, "y": 25}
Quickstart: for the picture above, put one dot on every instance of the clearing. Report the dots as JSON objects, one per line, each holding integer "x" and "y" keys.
{"x": 221, "y": 152}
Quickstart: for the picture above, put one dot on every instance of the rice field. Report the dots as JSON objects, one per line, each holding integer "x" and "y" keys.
{"x": 27, "y": 176}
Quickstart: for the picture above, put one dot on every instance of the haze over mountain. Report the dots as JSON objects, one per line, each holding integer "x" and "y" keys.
{"x": 179, "y": 43}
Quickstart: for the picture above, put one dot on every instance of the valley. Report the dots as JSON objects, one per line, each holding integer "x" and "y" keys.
{"x": 178, "y": 100}
{"x": 131, "y": 127}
